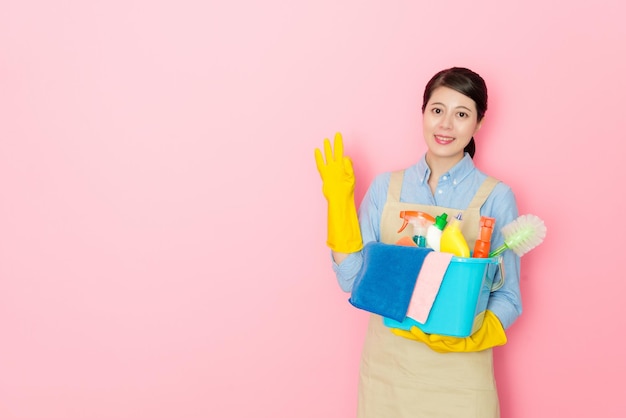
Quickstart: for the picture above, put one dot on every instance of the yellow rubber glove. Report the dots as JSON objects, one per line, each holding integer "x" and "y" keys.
{"x": 490, "y": 334}
{"x": 344, "y": 233}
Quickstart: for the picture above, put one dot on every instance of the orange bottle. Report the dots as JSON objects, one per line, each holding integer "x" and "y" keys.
{"x": 483, "y": 243}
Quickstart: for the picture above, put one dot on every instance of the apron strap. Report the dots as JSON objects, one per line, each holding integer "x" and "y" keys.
{"x": 395, "y": 186}
{"x": 483, "y": 193}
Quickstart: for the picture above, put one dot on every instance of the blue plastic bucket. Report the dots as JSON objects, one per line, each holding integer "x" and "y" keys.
{"x": 459, "y": 308}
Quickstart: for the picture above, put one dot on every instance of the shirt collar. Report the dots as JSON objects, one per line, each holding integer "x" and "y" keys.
{"x": 460, "y": 170}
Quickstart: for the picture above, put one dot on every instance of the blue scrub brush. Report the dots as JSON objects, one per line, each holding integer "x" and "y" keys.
{"x": 522, "y": 235}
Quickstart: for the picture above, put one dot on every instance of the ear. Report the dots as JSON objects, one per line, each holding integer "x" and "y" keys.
{"x": 479, "y": 124}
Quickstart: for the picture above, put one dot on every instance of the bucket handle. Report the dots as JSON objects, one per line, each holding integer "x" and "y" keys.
{"x": 500, "y": 283}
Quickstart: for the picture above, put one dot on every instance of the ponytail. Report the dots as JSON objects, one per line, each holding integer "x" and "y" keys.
{"x": 470, "y": 148}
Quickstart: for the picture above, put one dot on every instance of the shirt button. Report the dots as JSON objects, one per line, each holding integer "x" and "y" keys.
{"x": 440, "y": 191}
{"x": 445, "y": 177}
{"x": 454, "y": 182}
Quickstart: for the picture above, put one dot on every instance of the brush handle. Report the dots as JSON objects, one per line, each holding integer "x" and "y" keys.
{"x": 498, "y": 250}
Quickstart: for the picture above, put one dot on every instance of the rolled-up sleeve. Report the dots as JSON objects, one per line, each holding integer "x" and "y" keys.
{"x": 506, "y": 302}
{"x": 370, "y": 211}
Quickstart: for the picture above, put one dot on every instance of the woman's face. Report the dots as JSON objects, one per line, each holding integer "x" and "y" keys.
{"x": 449, "y": 122}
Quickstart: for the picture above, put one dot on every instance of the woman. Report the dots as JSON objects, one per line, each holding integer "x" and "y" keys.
{"x": 410, "y": 373}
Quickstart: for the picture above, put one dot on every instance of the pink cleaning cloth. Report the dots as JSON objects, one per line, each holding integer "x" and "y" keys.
{"x": 427, "y": 286}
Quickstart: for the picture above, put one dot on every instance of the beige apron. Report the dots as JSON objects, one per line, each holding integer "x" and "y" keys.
{"x": 404, "y": 378}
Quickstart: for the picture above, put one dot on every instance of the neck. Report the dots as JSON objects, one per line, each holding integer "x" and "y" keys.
{"x": 440, "y": 165}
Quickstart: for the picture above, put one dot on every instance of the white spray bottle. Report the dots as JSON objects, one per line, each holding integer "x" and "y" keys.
{"x": 433, "y": 234}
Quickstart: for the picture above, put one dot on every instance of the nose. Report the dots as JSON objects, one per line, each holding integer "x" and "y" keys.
{"x": 446, "y": 121}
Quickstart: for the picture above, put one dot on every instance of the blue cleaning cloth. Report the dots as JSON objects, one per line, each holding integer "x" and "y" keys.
{"x": 385, "y": 283}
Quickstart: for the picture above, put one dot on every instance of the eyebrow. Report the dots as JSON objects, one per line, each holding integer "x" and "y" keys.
{"x": 458, "y": 107}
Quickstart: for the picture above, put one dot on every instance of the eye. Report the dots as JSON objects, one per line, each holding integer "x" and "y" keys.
{"x": 463, "y": 114}
{"x": 436, "y": 110}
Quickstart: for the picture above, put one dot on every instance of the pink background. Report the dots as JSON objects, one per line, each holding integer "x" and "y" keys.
{"x": 162, "y": 227}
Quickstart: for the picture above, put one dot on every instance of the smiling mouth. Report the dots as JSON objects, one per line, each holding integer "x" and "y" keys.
{"x": 443, "y": 139}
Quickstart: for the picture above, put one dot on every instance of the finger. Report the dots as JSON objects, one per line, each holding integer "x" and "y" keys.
{"x": 442, "y": 338}
{"x": 403, "y": 333}
{"x": 347, "y": 164}
{"x": 319, "y": 160}
{"x": 338, "y": 146}
{"x": 328, "y": 151}
{"x": 419, "y": 333}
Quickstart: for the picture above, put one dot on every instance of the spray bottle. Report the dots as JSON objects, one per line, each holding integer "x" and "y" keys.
{"x": 433, "y": 234}
{"x": 420, "y": 222}
{"x": 452, "y": 239}
{"x": 483, "y": 243}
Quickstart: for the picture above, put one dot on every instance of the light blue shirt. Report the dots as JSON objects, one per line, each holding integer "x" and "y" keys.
{"x": 455, "y": 189}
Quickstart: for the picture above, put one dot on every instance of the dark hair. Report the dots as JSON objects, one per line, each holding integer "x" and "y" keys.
{"x": 466, "y": 82}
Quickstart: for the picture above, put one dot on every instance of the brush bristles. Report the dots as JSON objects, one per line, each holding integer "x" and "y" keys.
{"x": 524, "y": 234}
